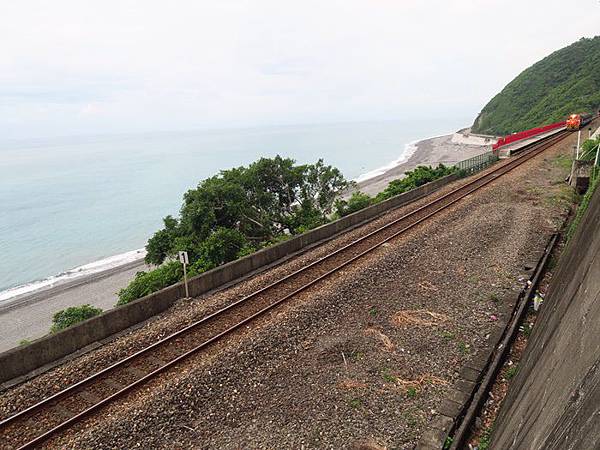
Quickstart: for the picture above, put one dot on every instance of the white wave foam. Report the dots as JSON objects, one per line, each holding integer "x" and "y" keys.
{"x": 409, "y": 150}
{"x": 78, "y": 272}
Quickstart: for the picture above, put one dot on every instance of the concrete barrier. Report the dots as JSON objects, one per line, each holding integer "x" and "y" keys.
{"x": 22, "y": 360}
{"x": 554, "y": 400}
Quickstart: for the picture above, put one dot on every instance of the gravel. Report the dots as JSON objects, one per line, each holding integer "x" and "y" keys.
{"x": 360, "y": 362}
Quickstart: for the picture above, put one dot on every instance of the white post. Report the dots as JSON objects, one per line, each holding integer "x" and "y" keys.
{"x": 578, "y": 141}
{"x": 597, "y": 153}
{"x": 183, "y": 258}
{"x": 187, "y": 293}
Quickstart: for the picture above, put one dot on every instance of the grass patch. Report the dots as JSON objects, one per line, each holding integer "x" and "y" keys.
{"x": 355, "y": 403}
{"x": 357, "y": 356}
{"x": 24, "y": 342}
{"x": 448, "y": 443}
{"x": 411, "y": 392}
{"x": 387, "y": 376}
{"x": 447, "y": 335}
{"x": 464, "y": 348}
{"x": 565, "y": 196}
{"x": 485, "y": 440}
{"x": 511, "y": 372}
{"x": 526, "y": 329}
{"x": 563, "y": 161}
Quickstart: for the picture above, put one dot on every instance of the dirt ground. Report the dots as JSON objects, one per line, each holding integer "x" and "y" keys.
{"x": 361, "y": 361}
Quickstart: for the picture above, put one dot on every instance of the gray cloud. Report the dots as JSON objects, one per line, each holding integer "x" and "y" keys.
{"x": 112, "y": 66}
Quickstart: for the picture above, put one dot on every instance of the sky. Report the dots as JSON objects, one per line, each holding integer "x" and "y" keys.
{"x": 101, "y": 67}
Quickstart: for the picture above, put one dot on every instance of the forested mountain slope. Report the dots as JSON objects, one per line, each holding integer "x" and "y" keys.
{"x": 565, "y": 82}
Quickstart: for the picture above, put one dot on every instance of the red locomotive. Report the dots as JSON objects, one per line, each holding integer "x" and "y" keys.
{"x": 576, "y": 121}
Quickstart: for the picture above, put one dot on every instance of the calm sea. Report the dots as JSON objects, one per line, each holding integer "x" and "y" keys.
{"x": 68, "y": 202}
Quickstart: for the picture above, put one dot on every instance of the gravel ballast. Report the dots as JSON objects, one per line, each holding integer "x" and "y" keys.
{"x": 361, "y": 360}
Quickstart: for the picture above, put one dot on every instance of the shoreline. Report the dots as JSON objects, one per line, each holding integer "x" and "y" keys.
{"x": 445, "y": 149}
{"x": 28, "y": 315}
{"x": 428, "y": 151}
{"x": 56, "y": 289}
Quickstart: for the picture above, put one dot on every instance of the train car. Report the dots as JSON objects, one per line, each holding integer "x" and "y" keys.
{"x": 576, "y": 121}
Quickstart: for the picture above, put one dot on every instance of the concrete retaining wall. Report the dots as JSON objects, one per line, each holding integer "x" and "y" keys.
{"x": 554, "y": 401}
{"x": 21, "y": 360}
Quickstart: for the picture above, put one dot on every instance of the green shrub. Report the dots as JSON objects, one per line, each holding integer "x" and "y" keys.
{"x": 146, "y": 283}
{"x": 356, "y": 202}
{"x": 72, "y": 315}
{"x": 413, "y": 179}
{"x": 589, "y": 149}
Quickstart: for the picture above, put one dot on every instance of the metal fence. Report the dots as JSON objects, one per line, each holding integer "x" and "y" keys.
{"x": 477, "y": 163}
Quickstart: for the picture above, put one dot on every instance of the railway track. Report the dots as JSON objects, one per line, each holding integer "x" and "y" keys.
{"x": 34, "y": 425}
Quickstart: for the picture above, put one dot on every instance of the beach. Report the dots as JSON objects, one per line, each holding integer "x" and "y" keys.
{"x": 29, "y": 316}
{"x": 448, "y": 149}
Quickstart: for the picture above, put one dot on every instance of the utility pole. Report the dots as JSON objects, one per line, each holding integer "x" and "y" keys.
{"x": 578, "y": 142}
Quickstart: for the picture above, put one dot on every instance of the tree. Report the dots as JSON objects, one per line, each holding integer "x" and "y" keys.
{"x": 222, "y": 246}
{"x": 356, "y": 202}
{"x": 161, "y": 244}
{"x": 235, "y": 212}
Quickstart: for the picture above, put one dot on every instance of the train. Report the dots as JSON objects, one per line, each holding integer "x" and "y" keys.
{"x": 577, "y": 121}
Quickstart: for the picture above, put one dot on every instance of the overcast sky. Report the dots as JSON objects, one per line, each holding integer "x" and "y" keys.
{"x": 92, "y": 67}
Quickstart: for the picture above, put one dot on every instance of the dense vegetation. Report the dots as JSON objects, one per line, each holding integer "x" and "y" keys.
{"x": 247, "y": 208}
{"x": 565, "y": 82}
{"x": 70, "y": 316}
{"x": 414, "y": 179}
{"x": 237, "y": 212}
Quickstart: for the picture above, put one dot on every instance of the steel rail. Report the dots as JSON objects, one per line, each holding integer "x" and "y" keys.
{"x": 467, "y": 188}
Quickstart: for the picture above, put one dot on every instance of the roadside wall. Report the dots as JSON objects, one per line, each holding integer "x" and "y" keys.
{"x": 21, "y": 360}
{"x": 554, "y": 401}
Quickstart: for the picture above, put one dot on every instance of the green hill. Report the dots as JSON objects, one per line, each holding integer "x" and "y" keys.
{"x": 565, "y": 82}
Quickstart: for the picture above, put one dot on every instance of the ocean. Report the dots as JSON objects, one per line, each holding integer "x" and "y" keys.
{"x": 74, "y": 206}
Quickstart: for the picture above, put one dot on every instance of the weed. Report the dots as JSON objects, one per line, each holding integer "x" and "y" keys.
{"x": 494, "y": 297}
{"x": 464, "y": 348}
{"x": 484, "y": 442}
{"x": 373, "y": 311}
{"x": 357, "y": 356}
{"x": 564, "y": 197}
{"x": 411, "y": 392}
{"x": 511, "y": 372}
{"x": 356, "y": 402}
{"x": 387, "y": 376}
{"x": 563, "y": 161}
{"x": 447, "y": 334}
{"x": 526, "y": 328}
{"x": 411, "y": 420}
{"x": 447, "y": 443}
{"x": 24, "y": 342}
{"x": 535, "y": 190}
